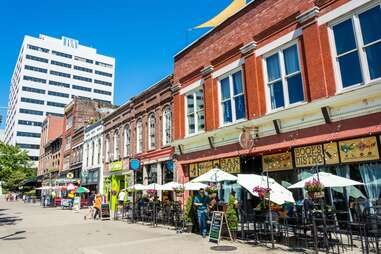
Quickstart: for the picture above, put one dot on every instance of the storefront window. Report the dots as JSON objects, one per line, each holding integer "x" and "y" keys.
{"x": 152, "y": 173}
{"x": 167, "y": 172}
{"x": 139, "y": 176}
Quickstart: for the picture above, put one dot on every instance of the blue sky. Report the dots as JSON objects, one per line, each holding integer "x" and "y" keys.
{"x": 143, "y": 36}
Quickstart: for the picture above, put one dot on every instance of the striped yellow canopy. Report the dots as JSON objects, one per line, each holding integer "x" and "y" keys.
{"x": 226, "y": 13}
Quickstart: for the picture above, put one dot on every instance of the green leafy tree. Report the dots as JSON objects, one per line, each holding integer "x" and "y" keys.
{"x": 188, "y": 211}
{"x": 15, "y": 166}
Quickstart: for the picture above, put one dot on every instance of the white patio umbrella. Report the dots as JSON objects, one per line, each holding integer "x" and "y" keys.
{"x": 135, "y": 187}
{"x": 170, "y": 186}
{"x": 44, "y": 188}
{"x": 215, "y": 175}
{"x": 194, "y": 186}
{"x": 328, "y": 180}
{"x": 153, "y": 186}
{"x": 278, "y": 193}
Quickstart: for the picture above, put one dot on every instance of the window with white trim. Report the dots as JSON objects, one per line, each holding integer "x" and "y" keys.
{"x": 108, "y": 157}
{"x": 284, "y": 82}
{"x": 116, "y": 145}
{"x": 167, "y": 126}
{"x": 151, "y": 131}
{"x": 195, "y": 118}
{"x": 92, "y": 152}
{"x": 139, "y": 136}
{"x": 127, "y": 140}
{"x": 99, "y": 151}
{"x": 232, "y": 98}
{"x": 357, "y": 45}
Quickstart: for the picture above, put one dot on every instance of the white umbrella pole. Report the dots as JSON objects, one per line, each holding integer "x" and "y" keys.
{"x": 270, "y": 214}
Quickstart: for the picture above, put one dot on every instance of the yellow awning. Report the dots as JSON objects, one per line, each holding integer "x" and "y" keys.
{"x": 226, "y": 13}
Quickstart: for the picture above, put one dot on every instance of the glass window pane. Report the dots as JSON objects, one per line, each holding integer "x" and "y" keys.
{"x": 370, "y": 24}
{"x": 350, "y": 69}
{"x": 295, "y": 89}
{"x": 273, "y": 70}
{"x": 190, "y": 103}
{"x": 344, "y": 36}
{"x": 291, "y": 59}
{"x": 201, "y": 120}
{"x": 237, "y": 83}
{"x": 276, "y": 95}
{"x": 200, "y": 99}
{"x": 373, "y": 54}
{"x": 227, "y": 111}
{"x": 240, "y": 107}
{"x": 191, "y": 124}
{"x": 225, "y": 89}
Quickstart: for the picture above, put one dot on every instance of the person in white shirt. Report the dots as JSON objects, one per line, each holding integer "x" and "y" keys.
{"x": 121, "y": 197}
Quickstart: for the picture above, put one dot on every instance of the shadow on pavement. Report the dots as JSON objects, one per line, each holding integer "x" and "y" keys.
{"x": 8, "y": 219}
{"x": 10, "y": 237}
{"x": 223, "y": 248}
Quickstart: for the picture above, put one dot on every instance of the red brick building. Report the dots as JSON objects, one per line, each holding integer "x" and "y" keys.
{"x": 140, "y": 129}
{"x": 50, "y": 145}
{"x": 78, "y": 113}
{"x": 297, "y": 82}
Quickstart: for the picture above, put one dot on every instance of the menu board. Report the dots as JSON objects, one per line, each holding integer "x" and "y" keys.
{"x": 105, "y": 211}
{"x": 309, "y": 156}
{"x": 77, "y": 204}
{"x": 65, "y": 203}
{"x": 216, "y": 227}
{"x": 360, "y": 149}
{"x": 277, "y": 162}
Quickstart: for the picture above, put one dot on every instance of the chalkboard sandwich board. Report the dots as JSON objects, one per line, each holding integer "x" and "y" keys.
{"x": 105, "y": 211}
{"x": 215, "y": 227}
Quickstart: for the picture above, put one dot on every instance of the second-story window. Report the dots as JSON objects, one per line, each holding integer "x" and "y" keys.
{"x": 99, "y": 151}
{"x": 232, "y": 98}
{"x": 116, "y": 145}
{"x": 127, "y": 140}
{"x": 358, "y": 47}
{"x": 108, "y": 157}
{"x": 284, "y": 78}
{"x": 195, "y": 119}
{"x": 151, "y": 131}
{"x": 167, "y": 126}
{"x": 139, "y": 136}
{"x": 92, "y": 152}
{"x": 87, "y": 152}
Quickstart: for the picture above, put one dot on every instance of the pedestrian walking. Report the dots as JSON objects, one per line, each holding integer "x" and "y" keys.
{"x": 90, "y": 204}
{"x": 97, "y": 206}
{"x": 201, "y": 201}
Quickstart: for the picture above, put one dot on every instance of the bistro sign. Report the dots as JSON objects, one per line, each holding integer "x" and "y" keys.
{"x": 229, "y": 165}
{"x": 309, "y": 156}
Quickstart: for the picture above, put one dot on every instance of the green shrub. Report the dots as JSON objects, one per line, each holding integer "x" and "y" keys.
{"x": 231, "y": 214}
{"x": 188, "y": 209}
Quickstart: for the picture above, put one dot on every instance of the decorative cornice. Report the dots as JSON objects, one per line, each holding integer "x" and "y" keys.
{"x": 249, "y": 47}
{"x": 207, "y": 70}
{"x": 176, "y": 88}
{"x": 307, "y": 15}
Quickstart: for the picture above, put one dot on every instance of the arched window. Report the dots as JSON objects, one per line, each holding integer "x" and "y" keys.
{"x": 87, "y": 151}
{"x": 151, "y": 131}
{"x": 108, "y": 157}
{"x": 92, "y": 152}
{"x": 116, "y": 145}
{"x": 127, "y": 140}
{"x": 167, "y": 126}
{"x": 139, "y": 136}
{"x": 99, "y": 151}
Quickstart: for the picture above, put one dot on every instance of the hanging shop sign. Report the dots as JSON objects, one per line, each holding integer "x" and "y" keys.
{"x": 361, "y": 149}
{"x": 134, "y": 164}
{"x": 116, "y": 166}
{"x": 277, "y": 162}
{"x": 331, "y": 153}
{"x": 308, "y": 156}
{"x": 230, "y": 165}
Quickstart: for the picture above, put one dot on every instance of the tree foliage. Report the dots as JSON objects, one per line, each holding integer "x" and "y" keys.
{"x": 15, "y": 166}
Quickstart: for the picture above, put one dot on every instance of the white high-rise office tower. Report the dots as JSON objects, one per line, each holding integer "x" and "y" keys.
{"x": 48, "y": 73}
